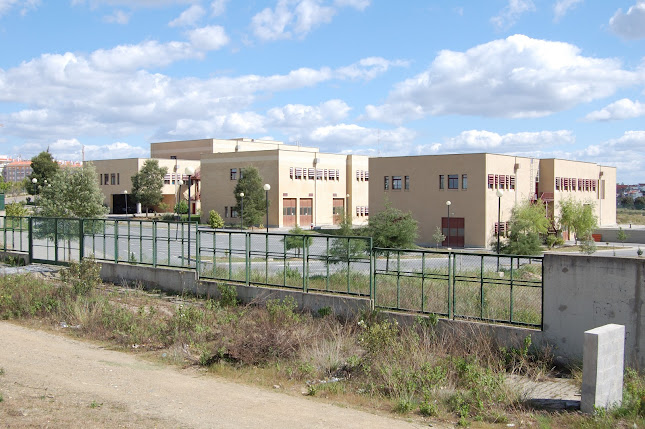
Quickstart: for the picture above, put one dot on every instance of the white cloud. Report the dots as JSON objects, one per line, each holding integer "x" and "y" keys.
{"x": 218, "y": 7}
{"x": 142, "y": 55}
{"x": 71, "y": 150}
{"x": 297, "y": 17}
{"x": 208, "y": 38}
{"x": 511, "y": 13}
{"x": 24, "y": 5}
{"x": 118, "y": 17}
{"x": 188, "y": 17}
{"x": 298, "y": 116}
{"x": 133, "y": 3}
{"x": 487, "y": 141}
{"x": 352, "y": 138}
{"x": 516, "y": 77}
{"x": 630, "y": 25}
{"x": 369, "y": 68}
{"x": 621, "y": 109}
{"x": 562, "y": 7}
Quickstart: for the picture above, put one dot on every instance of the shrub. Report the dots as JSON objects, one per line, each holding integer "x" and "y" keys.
{"x": 215, "y": 220}
{"x": 283, "y": 310}
{"x": 83, "y": 276}
{"x": 227, "y": 295}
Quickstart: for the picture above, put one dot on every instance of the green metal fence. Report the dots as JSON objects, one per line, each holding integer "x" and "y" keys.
{"x": 479, "y": 286}
{"x": 306, "y": 262}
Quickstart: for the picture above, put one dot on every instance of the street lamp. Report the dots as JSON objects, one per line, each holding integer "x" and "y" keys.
{"x": 347, "y": 208}
{"x": 267, "y": 187}
{"x": 242, "y": 211}
{"x": 178, "y": 198}
{"x": 126, "y": 202}
{"x": 499, "y": 193}
{"x": 189, "y": 172}
{"x": 448, "y": 203}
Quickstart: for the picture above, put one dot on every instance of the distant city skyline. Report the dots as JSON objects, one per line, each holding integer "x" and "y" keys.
{"x": 552, "y": 78}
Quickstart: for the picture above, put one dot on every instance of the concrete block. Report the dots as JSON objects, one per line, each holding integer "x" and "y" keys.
{"x": 602, "y": 367}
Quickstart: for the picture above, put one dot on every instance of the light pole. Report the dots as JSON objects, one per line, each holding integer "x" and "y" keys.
{"x": 347, "y": 208}
{"x": 34, "y": 181}
{"x": 125, "y": 193}
{"x": 448, "y": 203}
{"x": 242, "y": 211}
{"x": 267, "y": 187}
{"x": 499, "y": 193}
{"x": 189, "y": 172}
{"x": 178, "y": 198}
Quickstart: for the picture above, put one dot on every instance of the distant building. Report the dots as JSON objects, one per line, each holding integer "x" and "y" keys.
{"x": 424, "y": 184}
{"x": 16, "y": 171}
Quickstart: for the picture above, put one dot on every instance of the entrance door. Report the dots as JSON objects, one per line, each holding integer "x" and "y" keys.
{"x": 339, "y": 209}
{"x": 289, "y": 211}
{"x": 121, "y": 201}
{"x": 454, "y": 234}
{"x": 306, "y": 212}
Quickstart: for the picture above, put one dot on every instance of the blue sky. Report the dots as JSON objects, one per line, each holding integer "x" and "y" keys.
{"x": 552, "y": 78}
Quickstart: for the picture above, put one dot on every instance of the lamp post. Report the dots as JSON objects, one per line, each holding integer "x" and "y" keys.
{"x": 242, "y": 211}
{"x": 34, "y": 181}
{"x": 347, "y": 208}
{"x": 189, "y": 172}
{"x": 448, "y": 203}
{"x": 267, "y": 187}
{"x": 125, "y": 193}
{"x": 178, "y": 198}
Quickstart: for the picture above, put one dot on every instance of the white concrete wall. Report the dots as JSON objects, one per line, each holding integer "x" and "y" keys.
{"x": 583, "y": 292}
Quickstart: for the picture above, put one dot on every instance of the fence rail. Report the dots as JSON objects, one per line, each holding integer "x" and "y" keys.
{"x": 479, "y": 286}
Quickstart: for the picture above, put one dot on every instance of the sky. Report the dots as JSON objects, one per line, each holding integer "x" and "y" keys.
{"x": 535, "y": 78}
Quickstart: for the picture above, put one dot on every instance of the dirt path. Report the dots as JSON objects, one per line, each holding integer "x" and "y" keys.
{"x": 54, "y": 381}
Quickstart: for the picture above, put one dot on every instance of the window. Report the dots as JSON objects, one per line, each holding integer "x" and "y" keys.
{"x": 442, "y": 183}
{"x": 453, "y": 181}
{"x": 298, "y": 174}
{"x": 113, "y": 179}
{"x": 226, "y": 211}
{"x": 305, "y": 211}
{"x": 386, "y": 183}
{"x": 233, "y": 175}
{"x": 491, "y": 181}
{"x": 106, "y": 178}
{"x": 118, "y": 179}
{"x": 233, "y": 212}
{"x": 464, "y": 181}
{"x": 100, "y": 179}
{"x": 289, "y": 210}
{"x": 290, "y": 172}
{"x": 310, "y": 173}
{"x": 396, "y": 182}
{"x": 173, "y": 156}
{"x": 407, "y": 183}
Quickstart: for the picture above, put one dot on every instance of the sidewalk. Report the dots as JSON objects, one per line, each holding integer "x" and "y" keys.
{"x": 551, "y": 394}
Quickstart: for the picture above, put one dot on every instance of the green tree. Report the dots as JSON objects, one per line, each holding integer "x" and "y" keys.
{"x": 626, "y": 202}
{"x": 4, "y": 186}
{"x": 639, "y": 203}
{"x": 622, "y": 236}
{"x": 578, "y": 217}
{"x": 215, "y": 220}
{"x": 181, "y": 207}
{"x": 344, "y": 249}
{"x": 298, "y": 240}
{"x": 44, "y": 168}
{"x": 438, "y": 236}
{"x": 73, "y": 193}
{"x": 147, "y": 184}
{"x": 392, "y": 228}
{"x": 528, "y": 222}
{"x": 251, "y": 184}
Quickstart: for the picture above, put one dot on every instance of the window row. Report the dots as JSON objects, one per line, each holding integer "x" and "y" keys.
{"x": 398, "y": 183}
{"x": 502, "y": 227}
{"x": 572, "y": 184}
{"x": 109, "y": 179}
{"x": 174, "y": 178}
{"x": 453, "y": 181}
{"x": 362, "y": 175}
{"x": 362, "y": 211}
{"x": 501, "y": 181}
{"x": 314, "y": 173}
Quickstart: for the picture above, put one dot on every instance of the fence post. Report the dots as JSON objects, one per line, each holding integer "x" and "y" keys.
{"x": 30, "y": 237}
{"x": 197, "y": 251}
{"x": 348, "y": 265}
{"x": 423, "y": 278}
{"x": 481, "y": 287}
{"x": 511, "y": 309}
{"x": 304, "y": 264}
{"x": 247, "y": 253}
{"x": 154, "y": 244}
{"x": 398, "y": 279}
{"x": 56, "y": 240}
{"x": 81, "y": 240}
{"x": 451, "y": 292}
{"x": 372, "y": 274}
{"x": 116, "y": 241}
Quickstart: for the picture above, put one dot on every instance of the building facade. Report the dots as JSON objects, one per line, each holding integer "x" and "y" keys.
{"x": 461, "y": 191}
{"x": 115, "y": 180}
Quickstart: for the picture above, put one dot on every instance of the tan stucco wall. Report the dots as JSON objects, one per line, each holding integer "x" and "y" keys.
{"x": 126, "y": 168}
{"x": 274, "y": 168}
{"x": 193, "y": 149}
{"x": 478, "y": 204}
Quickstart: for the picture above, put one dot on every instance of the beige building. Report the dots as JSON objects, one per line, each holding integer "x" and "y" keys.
{"x": 308, "y": 188}
{"x": 114, "y": 177}
{"x": 423, "y": 185}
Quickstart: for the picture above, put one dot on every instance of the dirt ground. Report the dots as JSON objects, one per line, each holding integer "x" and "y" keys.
{"x": 51, "y": 381}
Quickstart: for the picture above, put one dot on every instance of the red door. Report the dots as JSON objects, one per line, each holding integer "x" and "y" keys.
{"x": 306, "y": 212}
{"x": 339, "y": 209}
{"x": 454, "y": 234}
{"x": 289, "y": 211}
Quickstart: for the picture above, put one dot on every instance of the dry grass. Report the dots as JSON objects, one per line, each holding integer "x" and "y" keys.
{"x": 626, "y": 216}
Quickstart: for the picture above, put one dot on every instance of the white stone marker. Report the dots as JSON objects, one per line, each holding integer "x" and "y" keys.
{"x": 602, "y": 367}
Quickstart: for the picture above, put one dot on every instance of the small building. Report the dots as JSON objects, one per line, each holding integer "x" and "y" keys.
{"x": 115, "y": 180}
{"x": 461, "y": 190}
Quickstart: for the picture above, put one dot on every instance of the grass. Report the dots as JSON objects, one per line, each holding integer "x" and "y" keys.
{"x": 626, "y": 216}
{"x": 367, "y": 361}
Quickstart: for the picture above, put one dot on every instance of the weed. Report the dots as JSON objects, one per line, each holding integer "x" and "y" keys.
{"x": 83, "y": 276}
{"x": 95, "y": 404}
{"x": 132, "y": 258}
{"x": 325, "y": 311}
{"x": 283, "y": 310}
{"x": 428, "y": 409}
{"x": 1, "y": 398}
{"x": 1, "y": 371}
{"x": 228, "y": 294}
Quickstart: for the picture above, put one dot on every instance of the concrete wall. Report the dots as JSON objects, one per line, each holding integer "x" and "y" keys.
{"x": 584, "y": 292}
{"x": 633, "y": 235}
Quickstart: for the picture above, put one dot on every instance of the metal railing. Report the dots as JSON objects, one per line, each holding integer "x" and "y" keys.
{"x": 306, "y": 262}
{"x": 478, "y": 286}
